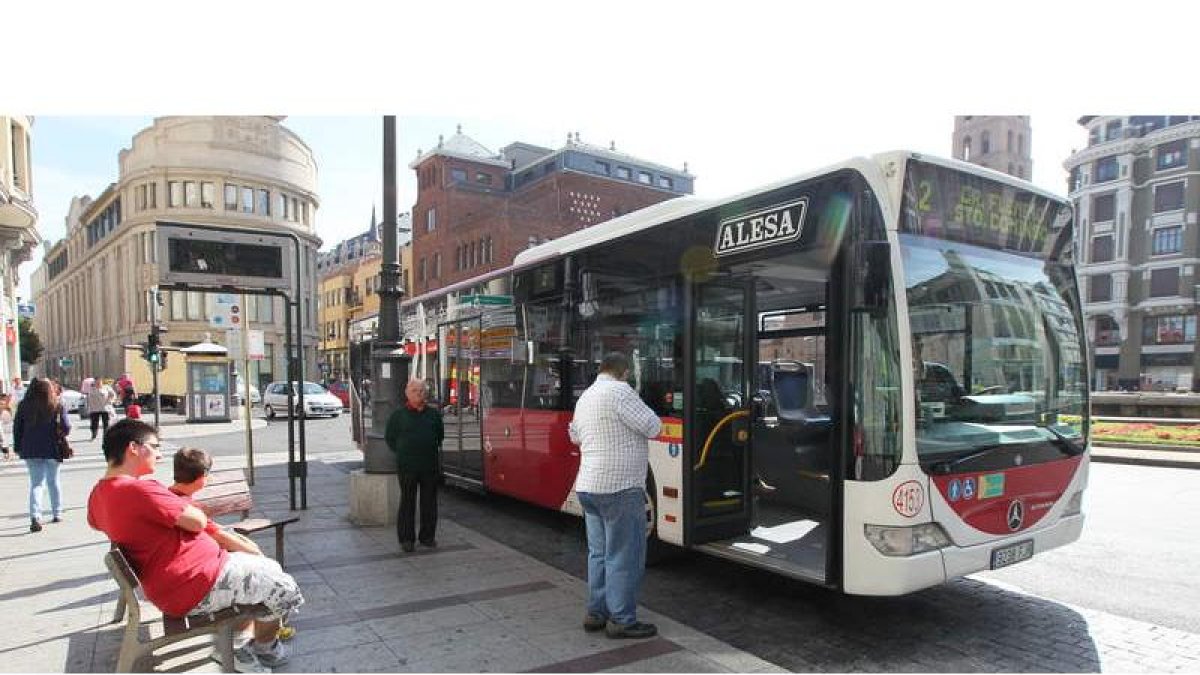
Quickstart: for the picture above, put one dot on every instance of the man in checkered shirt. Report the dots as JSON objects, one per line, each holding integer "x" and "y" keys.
{"x": 612, "y": 426}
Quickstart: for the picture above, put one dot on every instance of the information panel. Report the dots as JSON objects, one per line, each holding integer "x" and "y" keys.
{"x": 204, "y": 257}
{"x": 949, "y": 204}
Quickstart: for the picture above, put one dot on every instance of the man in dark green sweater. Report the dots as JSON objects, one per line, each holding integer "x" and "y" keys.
{"x": 415, "y": 433}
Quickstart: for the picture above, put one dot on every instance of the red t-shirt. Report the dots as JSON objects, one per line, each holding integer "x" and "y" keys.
{"x": 177, "y": 568}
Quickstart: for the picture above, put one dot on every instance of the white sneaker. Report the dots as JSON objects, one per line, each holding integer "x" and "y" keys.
{"x": 277, "y": 655}
{"x": 245, "y": 661}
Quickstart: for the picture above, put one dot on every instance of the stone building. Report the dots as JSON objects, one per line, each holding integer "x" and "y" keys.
{"x": 477, "y": 209}
{"x": 1000, "y": 142}
{"x": 92, "y": 287}
{"x": 1138, "y": 244}
{"x": 18, "y": 232}
{"x": 349, "y": 296}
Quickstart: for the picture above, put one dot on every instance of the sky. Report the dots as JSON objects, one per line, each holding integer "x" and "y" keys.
{"x": 745, "y": 94}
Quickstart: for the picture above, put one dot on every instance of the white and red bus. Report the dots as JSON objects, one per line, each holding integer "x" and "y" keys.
{"x": 871, "y": 377}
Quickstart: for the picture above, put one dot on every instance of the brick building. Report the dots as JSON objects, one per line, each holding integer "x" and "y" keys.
{"x": 477, "y": 209}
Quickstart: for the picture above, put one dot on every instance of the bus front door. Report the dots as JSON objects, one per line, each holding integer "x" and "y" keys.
{"x": 458, "y": 395}
{"x": 718, "y": 425}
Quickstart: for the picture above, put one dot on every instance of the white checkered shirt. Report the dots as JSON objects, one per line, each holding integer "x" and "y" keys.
{"x": 611, "y": 428}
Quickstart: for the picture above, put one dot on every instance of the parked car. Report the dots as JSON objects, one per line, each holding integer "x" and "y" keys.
{"x": 340, "y": 390}
{"x": 317, "y": 400}
{"x": 74, "y": 402}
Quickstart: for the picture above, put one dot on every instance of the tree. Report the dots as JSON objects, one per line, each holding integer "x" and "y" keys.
{"x": 31, "y": 344}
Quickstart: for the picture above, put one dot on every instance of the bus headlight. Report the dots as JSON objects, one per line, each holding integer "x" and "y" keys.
{"x": 1075, "y": 505}
{"x": 903, "y": 541}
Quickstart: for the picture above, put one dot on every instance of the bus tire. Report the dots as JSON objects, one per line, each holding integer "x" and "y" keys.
{"x": 657, "y": 550}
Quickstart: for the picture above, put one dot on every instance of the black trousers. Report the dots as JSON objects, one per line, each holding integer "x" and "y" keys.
{"x": 410, "y": 483}
{"x": 96, "y": 419}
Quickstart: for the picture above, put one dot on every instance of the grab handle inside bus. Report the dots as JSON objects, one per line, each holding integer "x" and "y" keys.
{"x": 713, "y": 434}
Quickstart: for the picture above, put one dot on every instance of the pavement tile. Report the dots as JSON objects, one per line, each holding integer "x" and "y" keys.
{"x": 406, "y": 625}
{"x": 307, "y": 641}
{"x": 374, "y": 657}
{"x": 677, "y": 662}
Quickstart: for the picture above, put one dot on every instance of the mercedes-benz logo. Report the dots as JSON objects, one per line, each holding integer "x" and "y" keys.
{"x": 1016, "y": 515}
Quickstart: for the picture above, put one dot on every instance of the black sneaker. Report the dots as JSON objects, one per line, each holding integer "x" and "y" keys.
{"x": 408, "y": 546}
{"x": 594, "y": 622}
{"x": 432, "y": 543}
{"x": 35, "y": 526}
{"x": 635, "y": 630}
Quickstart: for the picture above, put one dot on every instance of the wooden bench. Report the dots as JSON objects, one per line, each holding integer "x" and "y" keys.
{"x": 227, "y": 492}
{"x": 135, "y": 651}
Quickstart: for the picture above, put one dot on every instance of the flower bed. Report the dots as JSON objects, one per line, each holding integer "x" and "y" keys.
{"x": 1142, "y": 432}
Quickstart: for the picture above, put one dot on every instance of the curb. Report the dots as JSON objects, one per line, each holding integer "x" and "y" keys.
{"x": 1148, "y": 446}
{"x": 1145, "y": 461}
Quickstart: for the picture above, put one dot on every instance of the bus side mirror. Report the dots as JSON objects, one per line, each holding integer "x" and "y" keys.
{"x": 872, "y": 283}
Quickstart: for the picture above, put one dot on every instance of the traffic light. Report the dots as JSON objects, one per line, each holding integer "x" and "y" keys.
{"x": 153, "y": 352}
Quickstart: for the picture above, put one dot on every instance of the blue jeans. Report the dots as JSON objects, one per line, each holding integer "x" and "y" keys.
{"x": 42, "y": 470}
{"x": 616, "y": 534}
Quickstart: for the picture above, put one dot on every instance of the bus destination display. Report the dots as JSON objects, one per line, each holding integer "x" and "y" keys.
{"x": 941, "y": 202}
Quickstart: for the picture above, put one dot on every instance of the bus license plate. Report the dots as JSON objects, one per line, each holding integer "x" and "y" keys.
{"x": 1011, "y": 554}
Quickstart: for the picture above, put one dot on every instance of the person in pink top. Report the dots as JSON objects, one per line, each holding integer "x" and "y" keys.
{"x": 169, "y": 542}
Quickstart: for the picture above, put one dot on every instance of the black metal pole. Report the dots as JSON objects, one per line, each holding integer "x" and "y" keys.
{"x": 389, "y": 363}
{"x": 287, "y": 323}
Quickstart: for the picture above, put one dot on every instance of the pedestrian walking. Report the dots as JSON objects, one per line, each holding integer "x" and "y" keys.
{"x": 100, "y": 405}
{"x": 612, "y": 427}
{"x": 415, "y": 433}
{"x": 182, "y": 567}
{"x": 37, "y": 426}
{"x": 17, "y": 391}
{"x": 6, "y": 425}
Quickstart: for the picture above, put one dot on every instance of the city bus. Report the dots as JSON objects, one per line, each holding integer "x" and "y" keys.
{"x": 872, "y": 377}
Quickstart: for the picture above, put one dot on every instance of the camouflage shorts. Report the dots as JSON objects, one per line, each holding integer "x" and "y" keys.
{"x": 248, "y": 579}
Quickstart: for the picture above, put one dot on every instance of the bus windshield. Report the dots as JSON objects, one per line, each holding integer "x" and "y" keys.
{"x": 997, "y": 357}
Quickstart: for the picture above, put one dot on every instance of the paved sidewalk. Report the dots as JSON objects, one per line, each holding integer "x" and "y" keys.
{"x": 470, "y": 605}
{"x": 1178, "y": 459}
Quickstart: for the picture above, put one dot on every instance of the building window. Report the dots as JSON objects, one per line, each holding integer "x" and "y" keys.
{"x": 1112, "y": 131}
{"x": 644, "y": 177}
{"x": 1104, "y": 207}
{"x": 139, "y": 197}
{"x": 489, "y": 256}
{"x": 483, "y": 178}
{"x": 281, "y": 206}
{"x": 1167, "y": 240}
{"x": 624, "y": 172}
{"x": 1108, "y": 333}
{"x": 471, "y": 260}
{"x": 1168, "y": 197}
{"x": 1164, "y": 283}
{"x": 1010, "y": 141}
{"x": 264, "y": 203}
{"x": 666, "y": 182}
{"x": 985, "y": 142}
{"x": 174, "y": 194}
{"x": 152, "y": 196}
{"x": 966, "y": 151}
{"x": 231, "y": 195}
{"x": 421, "y": 270}
{"x": 1106, "y": 169}
{"x": 458, "y": 175}
{"x": 247, "y": 200}
{"x": 208, "y": 195}
{"x": 1169, "y": 330}
{"x": 1102, "y": 248}
{"x": 437, "y": 265}
{"x": 1100, "y": 288}
{"x": 431, "y": 220}
{"x": 295, "y": 209}
{"x": 1171, "y": 155}
{"x": 603, "y": 168}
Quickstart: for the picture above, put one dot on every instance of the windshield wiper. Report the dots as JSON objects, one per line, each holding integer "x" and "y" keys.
{"x": 1064, "y": 441}
{"x": 947, "y": 465}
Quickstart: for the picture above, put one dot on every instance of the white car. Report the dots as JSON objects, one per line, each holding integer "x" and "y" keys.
{"x": 73, "y": 401}
{"x": 317, "y": 400}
